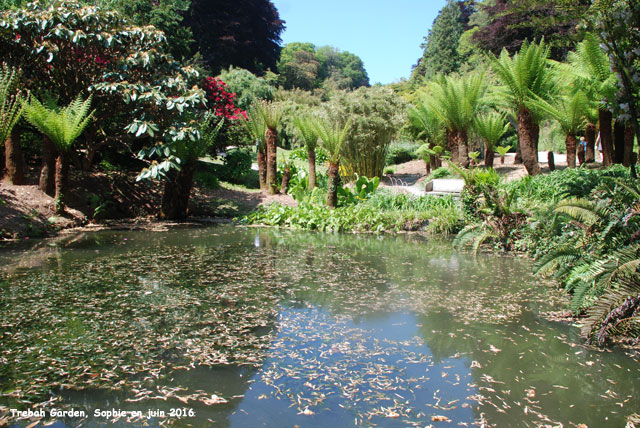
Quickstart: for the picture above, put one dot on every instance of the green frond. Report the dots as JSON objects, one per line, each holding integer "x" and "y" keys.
{"x": 255, "y": 126}
{"x": 62, "y": 127}
{"x": 566, "y": 255}
{"x": 331, "y": 135}
{"x": 582, "y": 210}
{"x": 490, "y": 127}
{"x": 570, "y": 111}
{"x": 11, "y": 104}
{"x": 305, "y": 130}
{"x": 270, "y": 113}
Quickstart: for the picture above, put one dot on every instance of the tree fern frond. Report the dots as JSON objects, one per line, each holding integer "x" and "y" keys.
{"x": 580, "y": 209}
{"x": 565, "y": 255}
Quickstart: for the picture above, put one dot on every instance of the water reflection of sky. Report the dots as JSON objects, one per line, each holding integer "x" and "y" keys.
{"x": 324, "y": 370}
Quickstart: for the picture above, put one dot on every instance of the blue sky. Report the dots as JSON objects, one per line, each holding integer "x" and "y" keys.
{"x": 385, "y": 34}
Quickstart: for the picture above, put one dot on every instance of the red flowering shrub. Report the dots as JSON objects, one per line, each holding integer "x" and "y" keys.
{"x": 221, "y": 101}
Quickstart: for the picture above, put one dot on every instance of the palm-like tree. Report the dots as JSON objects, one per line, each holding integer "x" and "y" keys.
{"x": 332, "y": 135}
{"x": 425, "y": 126}
{"x": 62, "y": 127}
{"x": 10, "y": 112}
{"x": 490, "y": 127}
{"x": 256, "y": 127}
{"x": 306, "y": 131}
{"x": 523, "y": 76}
{"x": 271, "y": 115}
{"x": 590, "y": 69}
{"x": 456, "y": 101}
{"x": 570, "y": 111}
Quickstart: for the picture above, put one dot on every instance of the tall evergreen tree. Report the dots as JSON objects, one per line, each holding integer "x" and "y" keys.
{"x": 441, "y": 45}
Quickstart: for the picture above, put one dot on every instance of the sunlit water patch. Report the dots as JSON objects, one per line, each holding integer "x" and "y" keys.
{"x": 251, "y": 327}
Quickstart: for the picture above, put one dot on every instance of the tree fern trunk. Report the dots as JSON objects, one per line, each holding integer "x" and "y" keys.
{"x": 452, "y": 145}
{"x": 618, "y": 141}
{"x": 47, "y": 182}
{"x": 570, "y": 144}
{"x": 526, "y": 135}
{"x": 590, "y": 137}
{"x": 489, "y": 155}
{"x": 334, "y": 182}
{"x": 286, "y": 176}
{"x": 14, "y": 160}
{"x": 604, "y": 119}
{"x": 311, "y": 155}
{"x": 262, "y": 167}
{"x": 629, "y": 135}
{"x": 463, "y": 149}
{"x": 272, "y": 161}
{"x": 177, "y": 190}
{"x": 62, "y": 176}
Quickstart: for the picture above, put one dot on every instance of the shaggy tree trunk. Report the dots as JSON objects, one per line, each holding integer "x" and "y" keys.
{"x": 334, "y": 182}
{"x": 286, "y": 176}
{"x": 489, "y": 155}
{"x": 311, "y": 155}
{"x": 272, "y": 161}
{"x": 427, "y": 165}
{"x": 47, "y": 182}
{"x": 452, "y": 145}
{"x": 14, "y": 161}
{"x": 435, "y": 163}
{"x": 581, "y": 154}
{"x": 463, "y": 149}
{"x": 570, "y": 144}
{"x": 62, "y": 176}
{"x": 177, "y": 189}
{"x": 526, "y": 135}
{"x": 605, "y": 117}
{"x": 618, "y": 141}
{"x": 552, "y": 161}
{"x": 535, "y": 132}
{"x": 262, "y": 167}
{"x": 517, "y": 160}
{"x": 590, "y": 137}
{"x": 629, "y": 135}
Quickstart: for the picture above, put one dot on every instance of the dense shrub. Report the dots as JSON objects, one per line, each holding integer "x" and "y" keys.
{"x": 400, "y": 153}
{"x": 237, "y": 164}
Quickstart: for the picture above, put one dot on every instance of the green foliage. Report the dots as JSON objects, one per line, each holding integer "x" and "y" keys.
{"x": 304, "y": 66}
{"x": 523, "y": 75}
{"x": 332, "y": 136}
{"x": 237, "y": 164}
{"x": 491, "y": 128}
{"x": 503, "y": 150}
{"x": 62, "y": 125}
{"x": 381, "y": 212}
{"x": 442, "y": 172}
{"x": 269, "y": 113}
{"x": 247, "y": 86}
{"x": 377, "y": 114}
{"x": 363, "y": 189}
{"x": 400, "y": 152}
{"x": 456, "y": 101}
{"x": 441, "y": 45}
{"x": 301, "y": 154}
{"x": 10, "y": 101}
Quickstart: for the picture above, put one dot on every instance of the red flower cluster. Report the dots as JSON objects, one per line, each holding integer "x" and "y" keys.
{"x": 221, "y": 101}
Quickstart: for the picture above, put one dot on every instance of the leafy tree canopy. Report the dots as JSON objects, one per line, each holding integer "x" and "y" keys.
{"x": 304, "y": 66}
{"x": 242, "y": 33}
{"x": 508, "y": 23}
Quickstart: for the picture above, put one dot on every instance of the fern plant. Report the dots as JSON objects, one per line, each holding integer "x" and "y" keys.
{"x": 490, "y": 127}
{"x": 10, "y": 100}
{"x": 62, "y": 126}
{"x": 306, "y": 131}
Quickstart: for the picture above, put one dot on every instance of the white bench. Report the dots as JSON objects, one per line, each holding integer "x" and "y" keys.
{"x": 444, "y": 186}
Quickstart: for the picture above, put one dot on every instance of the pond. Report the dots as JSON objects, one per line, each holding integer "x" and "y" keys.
{"x": 237, "y": 327}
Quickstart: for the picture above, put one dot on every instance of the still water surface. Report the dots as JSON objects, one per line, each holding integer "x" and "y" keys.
{"x": 264, "y": 328}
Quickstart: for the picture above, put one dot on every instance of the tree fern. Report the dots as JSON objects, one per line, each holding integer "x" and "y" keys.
{"x": 62, "y": 126}
{"x": 10, "y": 101}
{"x": 565, "y": 255}
{"x": 256, "y": 126}
{"x": 490, "y": 127}
{"x": 332, "y": 136}
{"x": 306, "y": 131}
